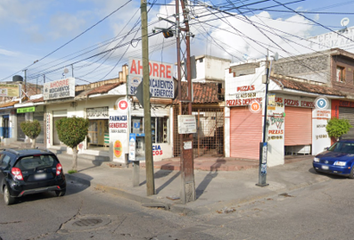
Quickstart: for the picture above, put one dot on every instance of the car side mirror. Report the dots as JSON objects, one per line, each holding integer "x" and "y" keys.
{"x": 326, "y": 148}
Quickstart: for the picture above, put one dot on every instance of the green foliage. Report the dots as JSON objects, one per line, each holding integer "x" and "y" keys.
{"x": 337, "y": 127}
{"x": 72, "y": 131}
{"x": 72, "y": 171}
{"x": 31, "y": 129}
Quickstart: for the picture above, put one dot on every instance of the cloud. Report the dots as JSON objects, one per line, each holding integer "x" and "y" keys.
{"x": 19, "y": 12}
{"x": 65, "y": 24}
{"x": 8, "y": 53}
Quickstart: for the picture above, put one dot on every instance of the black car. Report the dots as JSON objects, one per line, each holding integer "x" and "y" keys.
{"x": 29, "y": 171}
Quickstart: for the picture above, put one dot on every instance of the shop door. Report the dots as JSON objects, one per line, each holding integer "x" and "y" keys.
{"x": 347, "y": 113}
{"x": 297, "y": 126}
{"x": 246, "y": 133}
{"x": 20, "y": 135}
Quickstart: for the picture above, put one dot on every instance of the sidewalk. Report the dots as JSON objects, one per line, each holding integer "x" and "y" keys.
{"x": 216, "y": 189}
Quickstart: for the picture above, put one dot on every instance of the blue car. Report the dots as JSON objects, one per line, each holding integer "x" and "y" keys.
{"x": 338, "y": 159}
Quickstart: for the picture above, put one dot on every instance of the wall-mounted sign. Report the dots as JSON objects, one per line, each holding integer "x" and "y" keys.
{"x": 62, "y": 88}
{"x": 321, "y": 103}
{"x": 10, "y": 90}
{"x": 187, "y": 124}
{"x": 161, "y": 78}
{"x": 26, "y": 109}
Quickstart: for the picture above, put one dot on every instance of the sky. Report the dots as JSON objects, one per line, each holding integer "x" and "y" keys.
{"x": 47, "y": 40}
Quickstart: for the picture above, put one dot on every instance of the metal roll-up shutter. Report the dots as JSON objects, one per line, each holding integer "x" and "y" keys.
{"x": 20, "y": 118}
{"x": 298, "y": 130}
{"x": 246, "y": 133}
{"x": 347, "y": 113}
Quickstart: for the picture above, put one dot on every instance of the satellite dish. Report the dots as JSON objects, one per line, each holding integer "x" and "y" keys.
{"x": 66, "y": 70}
{"x": 344, "y": 22}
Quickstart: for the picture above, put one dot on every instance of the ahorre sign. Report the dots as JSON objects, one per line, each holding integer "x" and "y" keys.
{"x": 161, "y": 78}
{"x": 62, "y": 88}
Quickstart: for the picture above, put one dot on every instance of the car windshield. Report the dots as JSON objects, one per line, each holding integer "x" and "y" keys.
{"x": 35, "y": 162}
{"x": 344, "y": 147}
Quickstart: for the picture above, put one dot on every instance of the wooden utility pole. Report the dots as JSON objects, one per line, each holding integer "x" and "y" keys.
{"x": 187, "y": 193}
{"x": 150, "y": 183}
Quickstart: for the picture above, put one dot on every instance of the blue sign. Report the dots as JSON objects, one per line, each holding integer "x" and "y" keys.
{"x": 321, "y": 103}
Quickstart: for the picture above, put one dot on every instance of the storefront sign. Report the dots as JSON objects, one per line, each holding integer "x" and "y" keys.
{"x": 26, "y": 110}
{"x": 100, "y": 112}
{"x": 10, "y": 90}
{"x": 161, "y": 78}
{"x": 62, "y": 88}
{"x": 298, "y": 103}
{"x": 118, "y": 129}
{"x": 48, "y": 128}
{"x": 157, "y": 150}
{"x": 242, "y": 102}
{"x": 187, "y": 124}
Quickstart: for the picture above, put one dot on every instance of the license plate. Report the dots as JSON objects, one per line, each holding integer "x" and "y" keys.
{"x": 325, "y": 167}
{"x": 40, "y": 176}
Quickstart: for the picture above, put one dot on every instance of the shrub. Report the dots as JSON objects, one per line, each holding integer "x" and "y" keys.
{"x": 337, "y": 127}
{"x": 72, "y": 131}
{"x": 31, "y": 129}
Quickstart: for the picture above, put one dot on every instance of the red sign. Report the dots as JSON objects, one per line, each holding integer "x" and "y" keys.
{"x": 245, "y": 88}
{"x": 123, "y": 104}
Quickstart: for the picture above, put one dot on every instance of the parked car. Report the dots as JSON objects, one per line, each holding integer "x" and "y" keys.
{"x": 30, "y": 171}
{"x": 337, "y": 159}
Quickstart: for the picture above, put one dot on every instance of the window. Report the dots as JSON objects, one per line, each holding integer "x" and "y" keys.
{"x": 5, "y": 162}
{"x": 340, "y": 74}
{"x": 159, "y": 128}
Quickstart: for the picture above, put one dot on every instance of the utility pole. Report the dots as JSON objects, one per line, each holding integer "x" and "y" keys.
{"x": 150, "y": 184}
{"x": 187, "y": 193}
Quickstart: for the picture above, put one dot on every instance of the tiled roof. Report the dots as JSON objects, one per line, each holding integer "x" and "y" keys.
{"x": 8, "y": 104}
{"x": 103, "y": 89}
{"x": 305, "y": 86}
{"x": 202, "y": 92}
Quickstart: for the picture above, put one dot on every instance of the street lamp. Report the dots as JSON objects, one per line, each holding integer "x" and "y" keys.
{"x": 263, "y": 146}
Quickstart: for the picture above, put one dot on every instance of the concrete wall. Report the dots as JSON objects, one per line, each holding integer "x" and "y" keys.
{"x": 311, "y": 67}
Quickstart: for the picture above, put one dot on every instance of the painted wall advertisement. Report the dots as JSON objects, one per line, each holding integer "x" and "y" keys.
{"x": 62, "y": 88}
{"x": 118, "y": 129}
{"x": 161, "y": 78}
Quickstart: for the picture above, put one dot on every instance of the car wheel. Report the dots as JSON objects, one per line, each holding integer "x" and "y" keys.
{"x": 7, "y": 197}
{"x": 351, "y": 174}
{"x": 60, "y": 193}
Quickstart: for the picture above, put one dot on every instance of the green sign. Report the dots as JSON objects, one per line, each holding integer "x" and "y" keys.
{"x": 26, "y": 110}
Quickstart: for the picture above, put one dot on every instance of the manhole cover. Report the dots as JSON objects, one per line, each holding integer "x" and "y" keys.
{"x": 90, "y": 222}
{"x": 84, "y": 223}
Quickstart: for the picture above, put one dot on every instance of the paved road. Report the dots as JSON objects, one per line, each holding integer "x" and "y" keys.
{"x": 320, "y": 211}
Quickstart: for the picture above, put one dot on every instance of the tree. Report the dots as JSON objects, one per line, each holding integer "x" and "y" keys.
{"x": 31, "y": 129}
{"x": 72, "y": 131}
{"x": 337, "y": 127}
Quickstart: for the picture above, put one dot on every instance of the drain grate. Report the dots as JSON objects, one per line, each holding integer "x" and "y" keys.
{"x": 90, "y": 222}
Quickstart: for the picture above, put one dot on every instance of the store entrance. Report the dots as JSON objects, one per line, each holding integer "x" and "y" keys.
{"x": 98, "y": 135}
